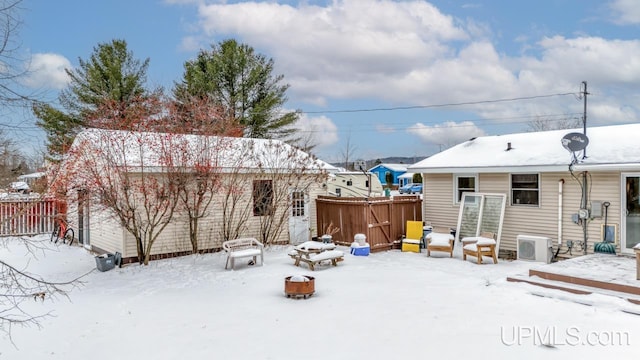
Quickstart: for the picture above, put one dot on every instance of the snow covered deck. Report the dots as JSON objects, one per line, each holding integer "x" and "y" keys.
{"x": 596, "y": 273}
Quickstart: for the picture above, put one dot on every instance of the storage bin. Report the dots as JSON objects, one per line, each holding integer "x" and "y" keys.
{"x": 105, "y": 262}
{"x": 360, "y": 251}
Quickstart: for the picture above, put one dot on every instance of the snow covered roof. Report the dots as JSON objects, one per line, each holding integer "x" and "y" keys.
{"x": 610, "y": 148}
{"x": 393, "y": 167}
{"x": 328, "y": 167}
{"x": 137, "y": 149}
{"x": 34, "y": 175}
{"x": 19, "y": 185}
{"x": 407, "y": 175}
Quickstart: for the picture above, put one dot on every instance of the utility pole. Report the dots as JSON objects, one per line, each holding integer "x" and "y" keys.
{"x": 584, "y": 115}
{"x": 585, "y": 193}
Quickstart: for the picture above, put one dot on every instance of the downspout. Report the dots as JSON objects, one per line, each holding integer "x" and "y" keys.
{"x": 560, "y": 187}
{"x": 585, "y": 201}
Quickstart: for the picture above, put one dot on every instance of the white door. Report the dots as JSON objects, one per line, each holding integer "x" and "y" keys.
{"x": 298, "y": 218}
{"x": 630, "y": 222}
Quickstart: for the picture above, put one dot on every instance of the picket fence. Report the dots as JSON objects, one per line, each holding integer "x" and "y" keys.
{"x": 27, "y": 217}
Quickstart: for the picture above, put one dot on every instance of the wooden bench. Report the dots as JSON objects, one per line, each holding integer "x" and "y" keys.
{"x": 241, "y": 248}
{"x": 313, "y": 259}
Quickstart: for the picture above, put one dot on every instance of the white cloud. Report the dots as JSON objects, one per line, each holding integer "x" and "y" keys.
{"x": 190, "y": 43}
{"x": 317, "y": 130}
{"x": 626, "y": 12}
{"x": 47, "y": 71}
{"x": 411, "y": 53}
{"x": 601, "y": 60}
{"x": 344, "y": 50}
{"x": 447, "y": 134}
{"x": 608, "y": 113}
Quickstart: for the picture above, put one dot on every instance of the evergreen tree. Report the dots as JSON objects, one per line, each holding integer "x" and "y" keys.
{"x": 111, "y": 76}
{"x": 242, "y": 83}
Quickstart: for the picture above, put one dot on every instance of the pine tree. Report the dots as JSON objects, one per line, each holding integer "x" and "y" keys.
{"x": 111, "y": 75}
{"x": 242, "y": 83}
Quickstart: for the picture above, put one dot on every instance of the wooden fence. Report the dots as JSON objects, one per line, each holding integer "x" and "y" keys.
{"x": 27, "y": 217}
{"x": 381, "y": 219}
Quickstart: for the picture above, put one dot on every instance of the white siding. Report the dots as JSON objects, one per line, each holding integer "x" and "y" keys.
{"x": 314, "y": 192}
{"x": 539, "y": 220}
{"x": 107, "y": 234}
{"x": 439, "y": 208}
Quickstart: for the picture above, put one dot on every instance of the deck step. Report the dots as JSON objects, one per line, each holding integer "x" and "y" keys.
{"x": 607, "y": 285}
{"x": 577, "y": 286}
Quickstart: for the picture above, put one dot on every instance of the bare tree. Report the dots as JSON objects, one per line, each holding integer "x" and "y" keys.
{"x": 235, "y": 197}
{"x": 284, "y": 170}
{"x": 306, "y": 140}
{"x": 18, "y": 286}
{"x": 544, "y": 124}
{"x": 257, "y": 192}
{"x": 12, "y": 69}
{"x": 196, "y": 174}
{"x": 125, "y": 173}
{"x": 195, "y": 161}
{"x": 12, "y": 161}
{"x": 347, "y": 152}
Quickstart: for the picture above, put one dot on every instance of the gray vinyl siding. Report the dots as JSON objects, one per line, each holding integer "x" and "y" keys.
{"x": 539, "y": 220}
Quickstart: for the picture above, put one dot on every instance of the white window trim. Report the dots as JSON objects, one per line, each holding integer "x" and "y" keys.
{"x": 511, "y": 188}
{"x": 456, "y": 201}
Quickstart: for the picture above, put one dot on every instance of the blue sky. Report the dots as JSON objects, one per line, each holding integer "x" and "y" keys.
{"x": 405, "y": 57}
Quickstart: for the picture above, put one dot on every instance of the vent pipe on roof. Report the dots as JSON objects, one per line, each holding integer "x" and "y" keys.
{"x": 509, "y": 146}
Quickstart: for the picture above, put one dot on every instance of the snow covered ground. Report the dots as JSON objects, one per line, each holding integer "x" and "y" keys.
{"x": 388, "y": 305}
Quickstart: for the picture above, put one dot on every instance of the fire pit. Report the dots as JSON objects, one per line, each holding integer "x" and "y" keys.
{"x": 299, "y": 286}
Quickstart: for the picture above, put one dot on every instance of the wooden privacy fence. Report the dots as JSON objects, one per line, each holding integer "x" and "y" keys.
{"x": 381, "y": 219}
{"x": 27, "y": 217}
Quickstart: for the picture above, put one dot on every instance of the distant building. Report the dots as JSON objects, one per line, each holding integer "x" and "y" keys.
{"x": 381, "y": 170}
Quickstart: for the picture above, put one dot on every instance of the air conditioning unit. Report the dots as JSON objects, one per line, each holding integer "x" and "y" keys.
{"x": 534, "y": 248}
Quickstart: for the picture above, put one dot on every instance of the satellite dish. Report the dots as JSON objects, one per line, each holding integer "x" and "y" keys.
{"x": 575, "y": 141}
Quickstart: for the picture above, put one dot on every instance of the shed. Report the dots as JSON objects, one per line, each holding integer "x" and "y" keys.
{"x": 258, "y": 188}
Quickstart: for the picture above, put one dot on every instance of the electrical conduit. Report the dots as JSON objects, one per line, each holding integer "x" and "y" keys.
{"x": 560, "y": 188}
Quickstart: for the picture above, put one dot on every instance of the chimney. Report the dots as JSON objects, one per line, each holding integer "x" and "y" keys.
{"x": 509, "y": 146}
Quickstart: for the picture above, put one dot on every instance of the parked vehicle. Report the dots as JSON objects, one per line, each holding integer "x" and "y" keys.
{"x": 416, "y": 189}
{"x": 406, "y": 189}
{"x": 354, "y": 183}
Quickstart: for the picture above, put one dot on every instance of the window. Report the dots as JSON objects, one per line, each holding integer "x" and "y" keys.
{"x": 525, "y": 189}
{"x": 349, "y": 182}
{"x": 262, "y": 197}
{"x": 297, "y": 203}
{"x": 464, "y": 183}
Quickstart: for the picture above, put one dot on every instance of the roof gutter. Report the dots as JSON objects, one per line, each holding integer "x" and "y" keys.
{"x": 607, "y": 167}
{"x": 528, "y": 168}
{"x": 492, "y": 169}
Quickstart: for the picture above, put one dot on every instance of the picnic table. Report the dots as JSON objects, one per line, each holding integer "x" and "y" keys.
{"x": 313, "y": 253}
